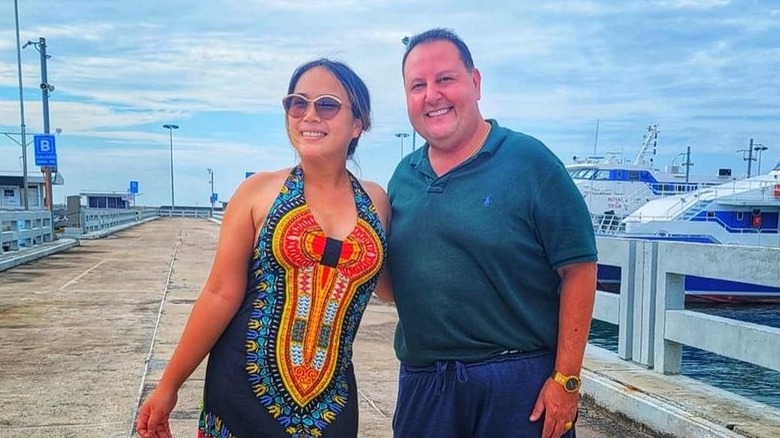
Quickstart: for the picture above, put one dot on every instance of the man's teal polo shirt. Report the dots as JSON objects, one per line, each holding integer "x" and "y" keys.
{"x": 473, "y": 253}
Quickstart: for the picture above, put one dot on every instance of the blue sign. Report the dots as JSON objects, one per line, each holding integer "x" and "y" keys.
{"x": 214, "y": 197}
{"x": 133, "y": 186}
{"x": 45, "y": 151}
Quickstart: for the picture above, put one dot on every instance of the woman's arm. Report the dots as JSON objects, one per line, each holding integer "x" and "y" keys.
{"x": 384, "y": 287}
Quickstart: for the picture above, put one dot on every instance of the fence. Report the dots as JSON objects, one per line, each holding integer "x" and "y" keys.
{"x": 653, "y": 324}
{"x": 24, "y": 229}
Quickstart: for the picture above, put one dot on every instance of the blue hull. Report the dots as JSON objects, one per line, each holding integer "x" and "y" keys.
{"x": 702, "y": 288}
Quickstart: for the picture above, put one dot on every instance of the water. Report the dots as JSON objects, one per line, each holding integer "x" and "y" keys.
{"x": 748, "y": 380}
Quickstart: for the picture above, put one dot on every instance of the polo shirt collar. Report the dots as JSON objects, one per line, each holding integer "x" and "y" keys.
{"x": 420, "y": 156}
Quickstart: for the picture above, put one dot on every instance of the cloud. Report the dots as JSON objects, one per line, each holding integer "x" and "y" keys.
{"x": 703, "y": 70}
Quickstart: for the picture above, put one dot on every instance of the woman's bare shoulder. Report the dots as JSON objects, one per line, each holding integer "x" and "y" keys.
{"x": 262, "y": 183}
{"x": 379, "y": 199}
{"x": 258, "y": 190}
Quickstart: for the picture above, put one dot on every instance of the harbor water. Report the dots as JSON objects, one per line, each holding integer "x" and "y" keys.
{"x": 748, "y": 380}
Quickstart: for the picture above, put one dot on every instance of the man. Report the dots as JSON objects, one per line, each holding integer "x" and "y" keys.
{"x": 493, "y": 262}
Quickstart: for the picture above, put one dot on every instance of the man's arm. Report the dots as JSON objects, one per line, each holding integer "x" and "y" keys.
{"x": 578, "y": 295}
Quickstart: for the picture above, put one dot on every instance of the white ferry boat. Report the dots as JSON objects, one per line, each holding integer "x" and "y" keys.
{"x": 613, "y": 188}
{"x": 634, "y": 199}
{"x": 741, "y": 212}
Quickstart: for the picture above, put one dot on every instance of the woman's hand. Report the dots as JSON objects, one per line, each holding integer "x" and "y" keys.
{"x": 154, "y": 413}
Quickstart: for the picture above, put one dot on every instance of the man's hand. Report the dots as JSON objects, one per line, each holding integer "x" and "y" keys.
{"x": 558, "y": 407}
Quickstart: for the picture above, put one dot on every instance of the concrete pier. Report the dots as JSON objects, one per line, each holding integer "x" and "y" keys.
{"x": 85, "y": 334}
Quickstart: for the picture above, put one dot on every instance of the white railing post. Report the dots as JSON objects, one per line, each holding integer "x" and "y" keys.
{"x": 671, "y": 296}
{"x": 627, "y": 296}
{"x": 644, "y": 312}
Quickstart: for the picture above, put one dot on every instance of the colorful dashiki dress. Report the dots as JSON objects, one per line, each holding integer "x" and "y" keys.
{"x": 283, "y": 367}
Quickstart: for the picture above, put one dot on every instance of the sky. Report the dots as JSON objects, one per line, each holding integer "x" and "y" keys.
{"x": 582, "y": 76}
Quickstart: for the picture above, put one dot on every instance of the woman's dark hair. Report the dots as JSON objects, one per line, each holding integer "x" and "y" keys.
{"x": 359, "y": 99}
{"x": 440, "y": 34}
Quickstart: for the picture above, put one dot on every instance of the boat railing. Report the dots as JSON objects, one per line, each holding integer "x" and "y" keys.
{"x": 680, "y": 207}
{"x": 746, "y": 190}
{"x": 637, "y": 199}
{"x": 711, "y": 219}
{"x": 607, "y": 224}
{"x": 743, "y": 192}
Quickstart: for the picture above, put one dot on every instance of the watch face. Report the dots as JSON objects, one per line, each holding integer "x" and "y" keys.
{"x": 572, "y": 384}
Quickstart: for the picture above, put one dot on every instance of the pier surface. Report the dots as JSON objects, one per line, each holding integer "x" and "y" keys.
{"x": 85, "y": 334}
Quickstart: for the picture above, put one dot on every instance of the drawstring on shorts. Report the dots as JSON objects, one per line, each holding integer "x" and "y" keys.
{"x": 441, "y": 374}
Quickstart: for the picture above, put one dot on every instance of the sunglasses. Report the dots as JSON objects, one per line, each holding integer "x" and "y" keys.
{"x": 326, "y": 106}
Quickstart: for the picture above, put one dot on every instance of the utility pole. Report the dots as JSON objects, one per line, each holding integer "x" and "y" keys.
{"x": 687, "y": 165}
{"x": 749, "y": 157}
{"x": 46, "y": 88}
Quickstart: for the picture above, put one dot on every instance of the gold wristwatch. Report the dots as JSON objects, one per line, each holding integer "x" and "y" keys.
{"x": 569, "y": 383}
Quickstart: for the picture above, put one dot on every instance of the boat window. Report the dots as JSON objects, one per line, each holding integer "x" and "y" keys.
{"x": 581, "y": 173}
{"x": 602, "y": 175}
{"x": 588, "y": 174}
{"x": 633, "y": 175}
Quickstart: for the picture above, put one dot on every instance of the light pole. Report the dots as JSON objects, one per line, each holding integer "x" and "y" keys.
{"x": 759, "y": 148}
{"x": 170, "y": 129}
{"x": 211, "y": 194}
{"x": 21, "y": 109}
{"x": 402, "y": 136}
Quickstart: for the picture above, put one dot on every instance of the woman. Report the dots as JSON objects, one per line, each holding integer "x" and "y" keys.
{"x": 299, "y": 254}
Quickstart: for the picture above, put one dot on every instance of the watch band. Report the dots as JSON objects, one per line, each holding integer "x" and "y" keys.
{"x": 569, "y": 383}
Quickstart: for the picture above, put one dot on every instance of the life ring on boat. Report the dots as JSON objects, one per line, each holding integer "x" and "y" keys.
{"x": 777, "y": 191}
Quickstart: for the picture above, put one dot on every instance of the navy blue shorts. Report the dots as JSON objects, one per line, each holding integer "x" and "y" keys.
{"x": 489, "y": 399}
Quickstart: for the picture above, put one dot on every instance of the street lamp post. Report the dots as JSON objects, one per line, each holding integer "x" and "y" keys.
{"x": 402, "y": 136}
{"x": 21, "y": 110}
{"x": 170, "y": 129}
{"x": 211, "y": 194}
{"x": 759, "y": 148}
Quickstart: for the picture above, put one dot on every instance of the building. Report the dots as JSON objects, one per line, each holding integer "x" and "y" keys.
{"x": 11, "y": 190}
{"x": 107, "y": 199}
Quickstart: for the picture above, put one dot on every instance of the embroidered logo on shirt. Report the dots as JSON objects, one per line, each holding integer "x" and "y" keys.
{"x": 486, "y": 201}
